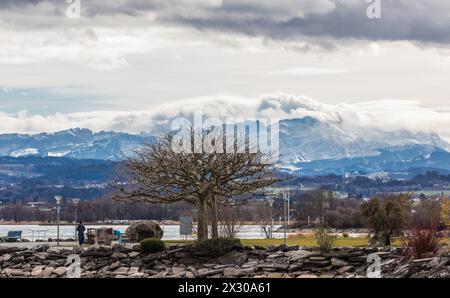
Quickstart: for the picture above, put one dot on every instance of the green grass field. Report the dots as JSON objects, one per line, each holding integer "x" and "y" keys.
{"x": 306, "y": 241}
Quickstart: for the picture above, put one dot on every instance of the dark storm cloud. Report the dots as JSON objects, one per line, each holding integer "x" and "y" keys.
{"x": 416, "y": 21}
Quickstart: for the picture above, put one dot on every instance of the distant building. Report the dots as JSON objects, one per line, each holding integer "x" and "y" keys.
{"x": 35, "y": 204}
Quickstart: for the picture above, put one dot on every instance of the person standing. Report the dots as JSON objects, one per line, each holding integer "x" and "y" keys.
{"x": 80, "y": 232}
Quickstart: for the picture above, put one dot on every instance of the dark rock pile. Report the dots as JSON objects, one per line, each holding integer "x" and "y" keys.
{"x": 186, "y": 261}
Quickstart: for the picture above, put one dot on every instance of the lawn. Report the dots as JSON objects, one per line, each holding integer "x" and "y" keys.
{"x": 307, "y": 241}
{"x": 301, "y": 241}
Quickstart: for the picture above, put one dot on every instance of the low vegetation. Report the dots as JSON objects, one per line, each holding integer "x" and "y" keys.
{"x": 217, "y": 246}
{"x": 152, "y": 245}
{"x": 325, "y": 240}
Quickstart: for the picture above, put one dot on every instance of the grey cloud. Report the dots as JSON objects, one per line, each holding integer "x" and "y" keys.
{"x": 304, "y": 20}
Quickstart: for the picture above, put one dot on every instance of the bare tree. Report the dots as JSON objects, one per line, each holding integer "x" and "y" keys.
{"x": 230, "y": 222}
{"x": 205, "y": 173}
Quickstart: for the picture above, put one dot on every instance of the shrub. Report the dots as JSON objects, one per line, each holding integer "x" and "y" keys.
{"x": 218, "y": 246}
{"x": 420, "y": 243}
{"x": 324, "y": 239}
{"x": 152, "y": 245}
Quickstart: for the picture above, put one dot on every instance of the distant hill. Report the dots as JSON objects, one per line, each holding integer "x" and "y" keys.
{"x": 400, "y": 161}
{"x": 57, "y": 169}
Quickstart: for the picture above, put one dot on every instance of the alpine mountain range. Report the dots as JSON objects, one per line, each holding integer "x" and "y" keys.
{"x": 308, "y": 146}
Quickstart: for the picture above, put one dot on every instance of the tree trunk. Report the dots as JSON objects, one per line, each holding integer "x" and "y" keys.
{"x": 202, "y": 229}
{"x": 214, "y": 218}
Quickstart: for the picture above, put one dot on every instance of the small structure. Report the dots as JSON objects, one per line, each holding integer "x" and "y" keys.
{"x": 103, "y": 236}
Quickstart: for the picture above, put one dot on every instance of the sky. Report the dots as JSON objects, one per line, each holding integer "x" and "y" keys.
{"x": 124, "y": 64}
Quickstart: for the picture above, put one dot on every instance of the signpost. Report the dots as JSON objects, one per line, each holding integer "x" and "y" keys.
{"x": 185, "y": 226}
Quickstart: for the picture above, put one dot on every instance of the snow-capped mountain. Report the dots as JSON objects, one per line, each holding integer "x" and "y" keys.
{"x": 307, "y": 139}
{"x": 74, "y": 143}
{"x": 307, "y": 146}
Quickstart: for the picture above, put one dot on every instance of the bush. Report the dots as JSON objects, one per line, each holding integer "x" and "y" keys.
{"x": 325, "y": 240}
{"x": 152, "y": 245}
{"x": 421, "y": 243}
{"x": 218, "y": 246}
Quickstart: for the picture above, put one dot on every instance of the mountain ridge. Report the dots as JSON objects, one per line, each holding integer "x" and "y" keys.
{"x": 305, "y": 143}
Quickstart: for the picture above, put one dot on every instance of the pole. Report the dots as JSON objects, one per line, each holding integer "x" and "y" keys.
{"x": 284, "y": 220}
{"x": 57, "y": 223}
{"x": 288, "y": 208}
{"x": 76, "y": 219}
{"x": 271, "y": 223}
{"x": 75, "y": 202}
{"x": 58, "y": 203}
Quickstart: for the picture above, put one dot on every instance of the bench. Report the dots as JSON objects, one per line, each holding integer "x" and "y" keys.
{"x": 13, "y": 236}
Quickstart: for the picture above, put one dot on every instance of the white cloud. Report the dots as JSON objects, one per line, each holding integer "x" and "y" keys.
{"x": 388, "y": 115}
{"x": 302, "y": 71}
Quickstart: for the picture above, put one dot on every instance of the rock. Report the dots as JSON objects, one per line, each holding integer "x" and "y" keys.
{"x": 327, "y": 275}
{"x": 276, "y": 255}
{"x": 274, "y": 267}
{"x": 120, "y": 248}
{"x": 178, "y": 271}
{"x": 8, "y": 250}
{"x": 344, "y": 269}
{"x": 275, "y": 275}
{"x": 14, "y": 272}
{"x": 36, "y": 272}
{"x": 133, "y": 270}
{"x": 295, "y": 267}
{"x": 121, "y": 271}
{"x": 133, "y": 254}
{"x": 47, "y": 272}
{"x": 237, "y": 272}
{"x": 115, "y": 265}
{"x": 206, "y": 272}
{"x": 101, "y": 251}
{"x": 292, "y": 248}
{"x": 42, "y": 255}
{"x": 119, "y": 255}
{"x": 233, "y": 257}
{"x": 317, "y": 263}
{"x": 188, "y": 261}
{"x": 250, "y": 264}
{"x": 338, "y": 262}
{"x": 307, "y": 276}
{"x": 60, "y": 271}
{"x": 18, "y": 259}
{"x": 144, "y": 229}
{"x": 358, "y": 259}
{"x": 5, "y": 258}
{"x": 281, "y": 247}
{"x": 295, "y": 256}
{"x": 40, "y": 248}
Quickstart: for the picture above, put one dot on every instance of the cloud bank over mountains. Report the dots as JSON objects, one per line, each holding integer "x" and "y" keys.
{"x": 389, "y": 115}
{"x": 39, "y": 30}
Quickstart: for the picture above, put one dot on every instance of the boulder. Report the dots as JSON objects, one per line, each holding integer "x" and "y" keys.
{"x": 144, "y": 229}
